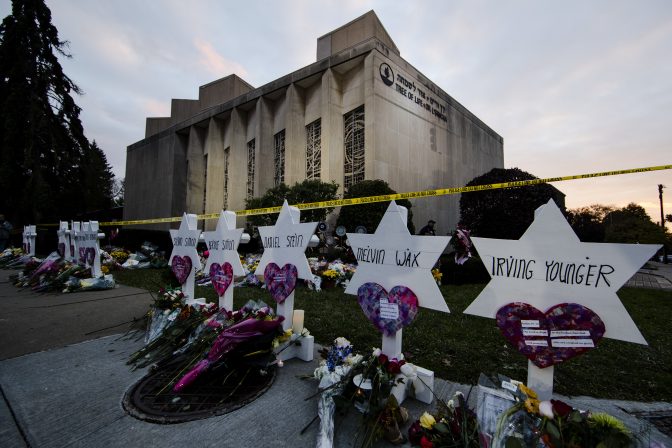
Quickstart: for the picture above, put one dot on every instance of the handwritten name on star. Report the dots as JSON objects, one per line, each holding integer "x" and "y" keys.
{"x": 553, "y": 271}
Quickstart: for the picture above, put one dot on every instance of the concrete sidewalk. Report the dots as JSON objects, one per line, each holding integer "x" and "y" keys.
{"x": 653, "y": 275}
{"x": 31, "y": 322}
{"x": 70, "y": 395}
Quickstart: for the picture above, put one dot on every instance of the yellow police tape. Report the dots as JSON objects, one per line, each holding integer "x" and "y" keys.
{"x": 392, "y": 197}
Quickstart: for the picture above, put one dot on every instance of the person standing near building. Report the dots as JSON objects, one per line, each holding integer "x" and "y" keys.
{"x": 428, "y": 229}
{"x": 5, "y": 231}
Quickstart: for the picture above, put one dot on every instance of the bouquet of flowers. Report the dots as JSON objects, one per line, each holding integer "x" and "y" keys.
{"x": 461, "y": 242}
{"x": 253, "y": 327}
{"x": 453, "y": 425}
{"x": 171, "y": 327}
{"x": 555, "y": 424}
{"x": 348, "y": 380}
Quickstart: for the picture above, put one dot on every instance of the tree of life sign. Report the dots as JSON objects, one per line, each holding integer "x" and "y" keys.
{"x": 553, "y": 296}
{"x": 184, "y": 260}
{"x": 282, "y": 263}
{"x": 223, "y": 259}
{"x": 394, "y": 278}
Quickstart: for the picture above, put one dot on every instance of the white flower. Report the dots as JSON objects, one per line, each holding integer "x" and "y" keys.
{"x": 546, "y": 409}
{"x": 352, "y": 360}
{"x": 376, "y": 352}
{"x": 451, "y": 404}
{"x": 280, "y": 363}
{"x": 341, "y": 342}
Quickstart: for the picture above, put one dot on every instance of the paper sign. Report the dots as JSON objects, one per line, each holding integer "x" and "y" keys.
{"x": 536, "y": 342}
{"x": 549, "y": 264}
{"x": 558, "y": 343}
{"x": 388, "y": 310}
{"x": 569, "y": 333}
{"x": 509, "y": 386}
{"x": 529, "y": 323}
{"x": 528, "y": 332}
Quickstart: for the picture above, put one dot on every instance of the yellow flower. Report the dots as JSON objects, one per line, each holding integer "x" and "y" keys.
{"x": 532, "y": 405}
{"x": 527, "y": 391}
{"x": 105, "y": 269}
{"x": 330, "y": 273}
{"x": 427, "y": 420}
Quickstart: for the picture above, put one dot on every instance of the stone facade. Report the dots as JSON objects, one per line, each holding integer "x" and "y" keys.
{"x": 360, "y": 112}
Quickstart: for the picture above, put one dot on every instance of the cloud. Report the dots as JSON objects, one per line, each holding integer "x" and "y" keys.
{"x": 214, "y": 63}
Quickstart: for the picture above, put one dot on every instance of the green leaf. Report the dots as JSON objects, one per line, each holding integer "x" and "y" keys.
{"x": 552, "y": 430}
{"x": 442, "y": 428}
{"x": 575, "y": 417}
{"x": 512, "y": 442}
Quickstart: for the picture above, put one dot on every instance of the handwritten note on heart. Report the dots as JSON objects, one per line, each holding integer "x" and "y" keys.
{"x": 181, "y": 267}
{"x": 82, "y": 255}
{"x": 221, "y": 276}
{"x": 61, "y": 249}
{"x": 280, "y": 282}
{"x": 389, "y": 312}
{"x": 563, "y": 332}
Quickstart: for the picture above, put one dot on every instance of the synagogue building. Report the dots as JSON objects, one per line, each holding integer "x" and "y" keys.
{"x": 359, "y": 112}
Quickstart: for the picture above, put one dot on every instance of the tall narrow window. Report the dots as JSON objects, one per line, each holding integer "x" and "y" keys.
{"x": 226, "y": 178}
{"x": 314, "y": 149}
{"x": 205, "y": 180}
{"x": 250, "y": 168}
{"x": 279, "y": 158}
{"x": 353, "y": 141}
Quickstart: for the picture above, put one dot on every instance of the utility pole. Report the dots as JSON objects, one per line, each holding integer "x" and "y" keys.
{"x": 662, "y": 219}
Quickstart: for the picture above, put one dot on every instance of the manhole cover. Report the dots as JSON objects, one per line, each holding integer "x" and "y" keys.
{"x": 221, "y": 390}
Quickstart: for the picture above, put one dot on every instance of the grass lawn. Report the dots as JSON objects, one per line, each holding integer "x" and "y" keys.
{"x": 458, "y": 347}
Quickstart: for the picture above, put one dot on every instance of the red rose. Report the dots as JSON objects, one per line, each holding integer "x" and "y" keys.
{"x": 561, "y": 408}
{"x": 394, "y": 367}
{"x": 415, "y": 433}
{"x": 382, "y": 359}
{"x": 426, "y": 443}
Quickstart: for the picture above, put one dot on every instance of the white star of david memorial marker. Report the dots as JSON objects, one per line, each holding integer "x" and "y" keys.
{"x": 29, "y": 234}
{"x": 89, "y": 240}
{"x": 74, "y": 243}
{"x": 286, "y": 243}
{"x": 549, "y": 265}
{"x": 185, "y": 240}
{"x": 222, "y": 245}
{"x": 63, "y": 240}
{"x": 393, "y": 257}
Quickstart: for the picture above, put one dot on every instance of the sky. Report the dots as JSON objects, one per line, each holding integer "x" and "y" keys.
{"x": 573, "y": 87}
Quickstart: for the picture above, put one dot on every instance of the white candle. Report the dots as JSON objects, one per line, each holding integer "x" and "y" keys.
{"x": 297, "y": 322}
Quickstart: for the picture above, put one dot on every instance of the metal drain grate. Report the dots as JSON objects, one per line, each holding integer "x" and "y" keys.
{"x": 219, "y": 391}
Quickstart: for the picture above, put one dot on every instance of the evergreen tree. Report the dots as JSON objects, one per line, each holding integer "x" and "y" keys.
{"x": 43, "y": 151}
{"x": 506, "y": 212}
{"x": 370, "y": 215}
